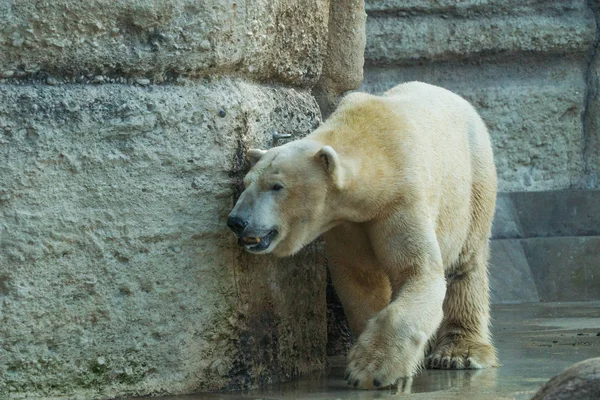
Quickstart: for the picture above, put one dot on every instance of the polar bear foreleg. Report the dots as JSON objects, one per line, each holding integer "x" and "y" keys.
{"x": 392, "y": 346}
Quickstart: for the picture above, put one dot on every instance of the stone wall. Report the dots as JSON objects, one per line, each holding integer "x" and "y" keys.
{"x": 529, "y": 67}
{"x": 123, "y": 129}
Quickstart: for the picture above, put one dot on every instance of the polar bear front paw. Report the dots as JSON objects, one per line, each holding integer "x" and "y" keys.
{"x": 384, "y": 356}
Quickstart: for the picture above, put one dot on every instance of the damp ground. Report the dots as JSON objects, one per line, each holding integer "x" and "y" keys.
{"x": 535, "y": 342}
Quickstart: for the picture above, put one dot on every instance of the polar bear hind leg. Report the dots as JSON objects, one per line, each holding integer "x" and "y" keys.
{"x": 463, "y": 340}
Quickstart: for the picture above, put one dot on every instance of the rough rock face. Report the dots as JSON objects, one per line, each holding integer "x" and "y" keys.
{"x": 117, "y": 269}
{"x": 343, "y": 67}
{"x": 123, "y": 131}
{"x": 580, "y": 381}
{"x": 266, "y": 40}
{"x": 529, "y": 67}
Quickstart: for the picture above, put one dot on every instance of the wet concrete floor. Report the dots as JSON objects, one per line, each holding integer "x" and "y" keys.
{"x": 534, "y": 341}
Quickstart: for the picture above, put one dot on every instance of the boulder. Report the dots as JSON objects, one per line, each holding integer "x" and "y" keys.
{"x": 580, "y": 381}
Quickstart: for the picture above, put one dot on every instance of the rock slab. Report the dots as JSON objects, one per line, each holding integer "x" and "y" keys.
{"x": 118, "y": 275}
{"x": 275, "y": 41}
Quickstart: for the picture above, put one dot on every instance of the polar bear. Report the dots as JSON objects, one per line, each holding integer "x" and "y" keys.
{"x": 403, "y": 188}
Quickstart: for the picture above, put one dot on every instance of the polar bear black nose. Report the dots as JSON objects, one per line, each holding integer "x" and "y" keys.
{"x": 236, "y": 224}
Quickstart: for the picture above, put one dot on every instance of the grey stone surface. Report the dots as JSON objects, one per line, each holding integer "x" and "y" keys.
{"x": 529, "y": 68}
{"x": 118, "y": 274}
{"x": 399, "y": 33}
{"x": 506, "y": 220}
{"x": 343, "y": 66}
{"x": 473, "y": 8}
{"x": 547, "y": 214}
{"x": 554, "y": 239}
{"x": 565, "y": 268}
{"x": 510, "y": 277}
{"x": 282, "y": 40}
{"x": 591, "y": 117}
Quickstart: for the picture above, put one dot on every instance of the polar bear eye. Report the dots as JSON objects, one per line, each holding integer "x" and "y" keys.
{"x": 277, "y": 187}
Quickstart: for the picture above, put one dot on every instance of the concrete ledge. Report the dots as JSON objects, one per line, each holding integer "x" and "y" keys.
{"x": 545, "y": 269}
{"x": 506, "y": 220}
{"x": 565, "y": 268}
{"x": 510, "y": 276}
{"x": 546, "y": 246}
{"x": 547, "y": 214}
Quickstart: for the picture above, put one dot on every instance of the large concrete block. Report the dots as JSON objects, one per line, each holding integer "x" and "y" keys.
{"x": 565, "y": 268}
{"x": 404, "y": 32}
{"x": 281, "y": 40}
{"x": 118, "y": 275}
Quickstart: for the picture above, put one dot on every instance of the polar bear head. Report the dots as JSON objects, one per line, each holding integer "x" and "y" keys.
{"x": 289, "y": 197}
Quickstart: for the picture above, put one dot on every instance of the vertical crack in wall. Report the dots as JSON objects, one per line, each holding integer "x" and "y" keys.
{"x": 239, "y": 168}
{"x": 589, "y": 125}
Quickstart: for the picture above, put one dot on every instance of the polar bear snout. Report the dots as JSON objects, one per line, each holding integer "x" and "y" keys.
{"x": 253, "y": 240}
{"x": 254, "y": 220}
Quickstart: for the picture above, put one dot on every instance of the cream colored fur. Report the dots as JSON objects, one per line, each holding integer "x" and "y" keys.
{"x": 403, "y": 186}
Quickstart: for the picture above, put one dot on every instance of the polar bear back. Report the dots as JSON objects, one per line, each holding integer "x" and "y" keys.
{"x": 456, "y": 160}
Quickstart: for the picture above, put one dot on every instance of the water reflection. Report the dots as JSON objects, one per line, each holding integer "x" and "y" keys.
{"x": 333, "y": 386}
{"x": 436, "y": 380}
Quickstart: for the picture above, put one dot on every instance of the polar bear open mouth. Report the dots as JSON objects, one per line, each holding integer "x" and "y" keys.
{"x": 257, "y": 244}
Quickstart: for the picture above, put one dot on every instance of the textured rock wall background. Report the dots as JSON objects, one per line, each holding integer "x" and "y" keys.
{"x": 529, "y": 67}
{"x": 263, "y": 40}
{"x": 123, "y": 130}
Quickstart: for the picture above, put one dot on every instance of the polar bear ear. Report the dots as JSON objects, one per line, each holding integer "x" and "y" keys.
{"x": 330, "y": 160}
{"x": 254, "y": 155}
